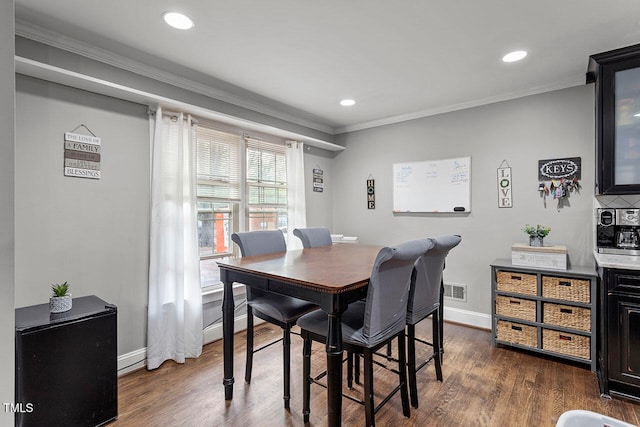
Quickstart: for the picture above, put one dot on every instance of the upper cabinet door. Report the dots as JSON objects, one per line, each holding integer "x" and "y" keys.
{"x": 617, "y": 77}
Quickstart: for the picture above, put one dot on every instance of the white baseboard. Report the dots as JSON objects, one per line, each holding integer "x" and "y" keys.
{"x": 466, "y": 317}
{"x": 137, "y": 359}
{"x": 132, "y": 361}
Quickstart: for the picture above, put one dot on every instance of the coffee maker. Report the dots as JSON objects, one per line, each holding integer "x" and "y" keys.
{"x": 618, "y": 231}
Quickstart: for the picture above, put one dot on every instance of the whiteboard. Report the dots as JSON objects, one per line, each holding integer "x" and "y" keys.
{"x": 432, "y": 186}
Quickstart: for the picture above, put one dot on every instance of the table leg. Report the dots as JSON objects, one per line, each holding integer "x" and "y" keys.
{"x": 334, "y": 371}
{"x": 228, "y": 309}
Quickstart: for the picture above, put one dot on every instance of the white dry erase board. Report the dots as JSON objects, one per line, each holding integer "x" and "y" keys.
{"x": 432, "y": 186}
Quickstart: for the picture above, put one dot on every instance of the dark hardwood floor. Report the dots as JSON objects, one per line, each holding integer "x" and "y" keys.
{"x": 483, "y": 386}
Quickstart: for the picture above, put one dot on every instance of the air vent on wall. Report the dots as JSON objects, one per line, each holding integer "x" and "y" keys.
{"x": 456, "y": 292}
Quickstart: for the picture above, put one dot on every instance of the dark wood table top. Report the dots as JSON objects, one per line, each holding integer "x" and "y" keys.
{"x": 330, "y": 269}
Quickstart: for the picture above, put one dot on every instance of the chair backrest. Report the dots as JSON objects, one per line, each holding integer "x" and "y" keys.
{"x": 387, "y": 295}
{"x": 313, "y": 236}
{"x": 261, "y": 242}
{"x": 424, "y": 294}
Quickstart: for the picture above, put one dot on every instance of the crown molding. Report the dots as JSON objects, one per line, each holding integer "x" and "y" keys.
{"x": 51, "y": 38}
{"x": 567, "y": 83}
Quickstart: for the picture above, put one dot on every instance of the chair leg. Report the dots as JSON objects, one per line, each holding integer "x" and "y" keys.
{"x": 350, "y": 356}
{"x": 402, "y": 363}
{"x": 441, "y": 320}
{"x": 306, "y": 375}
{"x": 286, "y": 358}
{"x": 369, "y": 409}
{"x": 357, "y": 368}
{"x": 411, "y": 364}
{"x": 437, "y": 346}
{"x": 389, "y": 350}
{"x": 249, "y": 362}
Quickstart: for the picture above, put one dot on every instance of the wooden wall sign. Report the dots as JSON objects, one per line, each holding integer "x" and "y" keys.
{"x": 318, "y": 180}
{"x": 82, "y": 155}
{"x": 371, "y": 193}
{"x": 504, "y": 186}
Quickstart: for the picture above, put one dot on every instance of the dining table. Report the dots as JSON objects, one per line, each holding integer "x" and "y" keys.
{"x": 330, "y": 276}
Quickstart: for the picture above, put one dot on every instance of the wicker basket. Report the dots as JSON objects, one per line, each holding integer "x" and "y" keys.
{"x": 566, "y": 288}
{"x": 567, "y": 316}
{"x": 517, "y": 333}
{"x": 518, "y": 283}
{"x": 516, "y": 307}
{"x": 565, "y": 343}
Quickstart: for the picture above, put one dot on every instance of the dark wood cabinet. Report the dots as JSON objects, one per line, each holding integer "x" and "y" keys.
{"x": 616, "y": 75}
{"x": 545, "y": 311}
{"x": 620, "y": 350}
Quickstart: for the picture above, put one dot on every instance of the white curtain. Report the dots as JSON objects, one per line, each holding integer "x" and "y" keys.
{"x": 174, "y": 327}
{"x": 297, "y": 212}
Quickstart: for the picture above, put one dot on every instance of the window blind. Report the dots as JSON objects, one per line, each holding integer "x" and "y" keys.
{"x": 218, "y": 164}
{"x": 266, "y": 173}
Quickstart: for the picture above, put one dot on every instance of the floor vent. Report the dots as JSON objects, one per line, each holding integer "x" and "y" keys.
{"x": 455, "y": 292}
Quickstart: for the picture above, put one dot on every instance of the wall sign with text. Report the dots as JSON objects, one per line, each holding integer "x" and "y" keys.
{"x": 559, "y": 178}
{"x": 371, "y": 193}
{"x": 82, "y": 155}
{"x": 318, "y": 180}
{"x": 504, "y": 186}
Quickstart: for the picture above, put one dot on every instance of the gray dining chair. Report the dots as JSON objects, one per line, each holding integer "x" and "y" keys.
{"x": 425, "y": 299}
{"x": 279, "y": 310}
{"x": 313, "y": 236}
{"x": 369, "y": 324}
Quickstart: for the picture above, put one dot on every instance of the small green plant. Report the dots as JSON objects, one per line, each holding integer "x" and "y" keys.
{"x": 60, "y": 289}
{"x": 537, "y": 231}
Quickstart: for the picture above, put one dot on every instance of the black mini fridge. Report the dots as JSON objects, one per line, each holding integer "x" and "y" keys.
{"x": 66, "y": 365}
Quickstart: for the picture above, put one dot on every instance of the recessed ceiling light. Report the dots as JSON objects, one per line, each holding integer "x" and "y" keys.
{"x": 347, "y": 102}
{"x": 514, "y": 56}
{"x": 177, "y": 20}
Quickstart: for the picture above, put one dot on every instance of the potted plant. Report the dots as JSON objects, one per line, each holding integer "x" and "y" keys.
{"x": 61, "y": 300}
{"x": 536, "y": 234}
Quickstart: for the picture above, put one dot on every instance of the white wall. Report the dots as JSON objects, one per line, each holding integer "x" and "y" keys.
{"x": 92, "y": 233}
{"x": 95, "y": 233}
{"x": 7, "y": 114}
{"x": 319, "y": 205}
{"x": 522, "y": 131}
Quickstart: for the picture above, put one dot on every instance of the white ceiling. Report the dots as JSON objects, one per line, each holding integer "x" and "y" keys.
{"x": 398, "y": 59}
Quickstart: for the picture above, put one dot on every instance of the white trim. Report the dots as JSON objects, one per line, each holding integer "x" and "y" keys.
{"x": 54, "y": 39}
{"x": 571, "y": 82}
{"x": 137, "y": 359}
{"x": 65, "y": 77}
{"x": 51, "y": 38}
{"x": 132, "y": 361}
{"x": 466, "y": 317}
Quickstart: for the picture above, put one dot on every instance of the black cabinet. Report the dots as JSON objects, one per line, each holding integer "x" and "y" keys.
{"x": 620, "y": 356}
{"x": 617, "y": 81}
{"x": 66, "y": 364}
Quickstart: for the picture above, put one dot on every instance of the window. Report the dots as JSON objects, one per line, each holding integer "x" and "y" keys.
{"x": 220, "y": 184}
{"x": 219, "y": 181}
{"x": 266, "y": 186}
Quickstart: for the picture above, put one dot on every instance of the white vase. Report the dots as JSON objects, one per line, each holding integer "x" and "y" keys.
{"x": 60, "y": 304}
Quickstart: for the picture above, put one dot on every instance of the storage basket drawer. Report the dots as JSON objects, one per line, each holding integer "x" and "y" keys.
{"x": 567, "y": 316}
{"x": 516, "y": 307}
{"x": 517, "y": 333}
{"x": 566, "y": 288}
{"x": 565, "y": 343}
{"x": 518, "y": 283}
